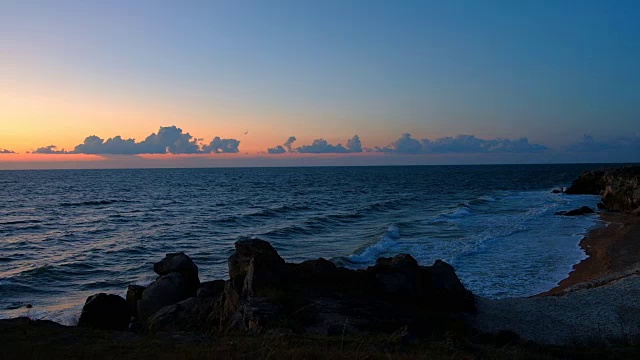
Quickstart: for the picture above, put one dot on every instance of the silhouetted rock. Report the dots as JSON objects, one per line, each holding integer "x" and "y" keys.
{"x": 557, "y": 191}
{"x": 317, "y": 296}
{"x": 255, "y": 265}
{"x": 192, "y": 314}
{"x": 180, "y": 263}
{"x": 589, "y": 183}
{"x": 398, "y": 275}
{"x": 211, "y": 289}
{"x": 619, "y": 188}
{"x": 576, "y": 212}
{"x": 265, "y": 293}
{"x": 134, "y": 293}
{"x": 166, "y": 290}
{"x": 102, "y": 311}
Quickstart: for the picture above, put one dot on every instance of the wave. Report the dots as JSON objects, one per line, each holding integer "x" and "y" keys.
{"x": 370, "y": 254}
{"x": 288, "y": 230}
{"x": 18, "y": 222}
{"x": 92, "y": 203}
{"x": 462, "y": 209}
{"x": 279, "y": 210}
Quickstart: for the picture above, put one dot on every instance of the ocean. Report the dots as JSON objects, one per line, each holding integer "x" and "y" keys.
{"x": 68, "y": 234}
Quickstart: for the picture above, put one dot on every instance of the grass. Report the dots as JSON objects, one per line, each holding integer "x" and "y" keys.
{"x": 40, "y": 340}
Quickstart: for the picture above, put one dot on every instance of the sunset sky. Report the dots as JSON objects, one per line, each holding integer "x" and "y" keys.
{"x": 564, "y": 75}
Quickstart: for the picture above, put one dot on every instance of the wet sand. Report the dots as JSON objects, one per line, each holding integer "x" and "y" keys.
{"x": 613, "y": 251}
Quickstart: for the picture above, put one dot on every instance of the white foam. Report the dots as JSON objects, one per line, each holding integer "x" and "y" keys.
{"x": 370, "y": 254}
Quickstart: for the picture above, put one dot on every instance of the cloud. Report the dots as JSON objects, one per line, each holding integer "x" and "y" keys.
{"x": 168, "y": 139}
{"x": 276, "y": 150}
{"x": 321, "y": 146}
{"x": 590, "y": 144}
{"x": 459, "y": 144}
{"x": 171, "y": 140}
{"x": 7, "y": 151}
{"x": 281, "y": 149}
{"x": 116, "y": 145}
{"x": 51, "y": 149}
{"x": 354, "y": 145}
{"x": 289, "y": 142}
{"x": 219, "y": 145}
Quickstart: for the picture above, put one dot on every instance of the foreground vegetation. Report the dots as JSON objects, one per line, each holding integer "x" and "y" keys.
{"x": 25, "y": 339}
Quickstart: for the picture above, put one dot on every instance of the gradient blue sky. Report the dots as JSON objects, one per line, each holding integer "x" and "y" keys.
{"x": 551, "y": 71}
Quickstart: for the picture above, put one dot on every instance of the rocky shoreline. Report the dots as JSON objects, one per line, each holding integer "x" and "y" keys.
{"x": 266, "y": 296}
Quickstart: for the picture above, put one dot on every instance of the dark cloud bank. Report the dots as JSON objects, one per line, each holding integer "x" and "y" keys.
{"x": 590, "y": 145}
{"x": 6, "y": 151}
{"x": 169, "y": 139}
{"x": 408, "y": 145}
{"x": 319, "y": 146}
{"x": 459, "y": 144}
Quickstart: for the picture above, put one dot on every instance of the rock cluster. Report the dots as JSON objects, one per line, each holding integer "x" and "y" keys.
{"x": 619, "y": 188}
{"x": 265, "y": 293}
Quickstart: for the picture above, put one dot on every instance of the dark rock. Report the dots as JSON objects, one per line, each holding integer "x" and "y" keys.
{"x": 619, "y": 188}
{"x": 557, "y": 191}
{"x": 192, "y": 314}
{"x": 102, "y": 311}
{"x": 589, "y": 183}
{"x": 18, "y": 323}
{"x": 134, "y": 293}
{"x": 398, "y": 275}
{"x": 315, "y": 297}
{"x": 211, "y": 289}
{"x": 443, "y": 277}
{"x": 506, "y": 337}
{"x": 576, "y": 212}
{"x": 255, "y": 266}
{"x": 180, "y": 263}
{"x": 166, "y": 290}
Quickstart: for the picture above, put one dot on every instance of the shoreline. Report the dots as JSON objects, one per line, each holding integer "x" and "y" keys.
{"x": 611, "y": 251}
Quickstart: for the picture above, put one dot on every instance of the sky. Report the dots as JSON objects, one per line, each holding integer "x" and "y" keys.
{"x": 276, "y": 83}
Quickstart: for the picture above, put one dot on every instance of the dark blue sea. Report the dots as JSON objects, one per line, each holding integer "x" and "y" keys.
{"x": 67, "y": 234}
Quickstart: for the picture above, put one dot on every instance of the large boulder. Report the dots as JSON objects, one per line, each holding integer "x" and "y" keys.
{"x": 166, "y": 290}
{"x": 255, "y": 267}
{"x": 105, "y": 311}
{"x": 180, "y": 263}
{"x": 192, "y": 314}
{"x": 211, "y": 289}
{"x": 445, "y": 291}
{"x": 443, "y": 277}
{"x": 134, "y": 293}
{"x": 398, "y": 275}
{"x": 589, "y": 183}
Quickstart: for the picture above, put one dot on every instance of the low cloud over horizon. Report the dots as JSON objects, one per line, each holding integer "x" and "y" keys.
{"x": 173, "y": 140}
{"x": 590, "y": 144}
{"x": 460, "y": 144}
{"x": 168, "y": 140}
{"x": 318, "y": 146}
{"x": 408, "y": 145}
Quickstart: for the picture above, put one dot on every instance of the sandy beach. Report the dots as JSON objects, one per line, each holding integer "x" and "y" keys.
{"x": 612, "y": 249}
{"x": 596, "y": 303}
